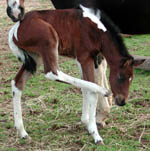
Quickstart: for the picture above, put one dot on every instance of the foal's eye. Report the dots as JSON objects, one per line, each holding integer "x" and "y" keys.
{"x": 121, "y": 78}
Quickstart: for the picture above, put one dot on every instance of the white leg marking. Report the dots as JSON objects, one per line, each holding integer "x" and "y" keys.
{"x": 17, "y": 110}
{"x": 85, "y": 105}
{"x": 103, "y": 107}
{"x": 92, "y": 127}
{"x": 85, "y": 108}
{"x": 104, "y": 63}
{"x": 77, "y": 82}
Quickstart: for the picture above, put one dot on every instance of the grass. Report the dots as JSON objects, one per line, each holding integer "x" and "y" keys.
{"x": 138, "y": 45}
{"x": 52, "y": 111}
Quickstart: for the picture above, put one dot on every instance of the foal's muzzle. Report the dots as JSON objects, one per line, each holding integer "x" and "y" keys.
{"x": 120, "y": 100}
{"x": 14, "y": 18}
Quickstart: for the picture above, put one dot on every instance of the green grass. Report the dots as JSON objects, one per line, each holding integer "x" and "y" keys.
{"x": 51, "y": 113}
{"x": 139, "y": 44}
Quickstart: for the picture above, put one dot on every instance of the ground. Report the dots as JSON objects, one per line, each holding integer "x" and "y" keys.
{"x": 51, "y": 111}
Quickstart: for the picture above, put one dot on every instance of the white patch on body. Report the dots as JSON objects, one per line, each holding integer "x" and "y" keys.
{"x": 14, "y": 5}
{"x": 88, "y": 12}
{"x": 16, "y": 51}
{"x": 17, "y": 110}
{"x": 77, "y": 82}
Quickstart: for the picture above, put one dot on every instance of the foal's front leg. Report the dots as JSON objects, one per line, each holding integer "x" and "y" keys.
{"x": 17, "y": 87}
{"x": 92, "y": 98}
{"x": 92, "y": 127}
{"x": 85, "y": 108}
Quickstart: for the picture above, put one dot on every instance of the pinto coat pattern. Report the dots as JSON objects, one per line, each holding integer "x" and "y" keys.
{"x": 78, "y": 34}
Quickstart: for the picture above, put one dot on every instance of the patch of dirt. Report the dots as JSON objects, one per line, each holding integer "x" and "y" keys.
{"x": 72, "y": 90}
{"x": 143, "y": 103}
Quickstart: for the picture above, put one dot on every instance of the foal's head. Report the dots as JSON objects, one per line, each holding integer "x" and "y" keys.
{"x": 120, "y": 79}
{"x": 15, "y": 9}
{"x": 120, "y": 61}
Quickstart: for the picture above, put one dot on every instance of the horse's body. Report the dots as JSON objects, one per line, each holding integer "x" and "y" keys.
{"x": 80, "y": 34}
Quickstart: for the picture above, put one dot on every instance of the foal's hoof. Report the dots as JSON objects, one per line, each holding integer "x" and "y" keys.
{"x": 100, "y": 143}
{"x": 27, "y": 139}
{"x": 108, "y": 93}
{"x": 24, "y": 135}
{"x": 100, "y": 125}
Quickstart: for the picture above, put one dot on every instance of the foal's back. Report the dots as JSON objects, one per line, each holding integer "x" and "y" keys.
{"x": 75, "y": 32}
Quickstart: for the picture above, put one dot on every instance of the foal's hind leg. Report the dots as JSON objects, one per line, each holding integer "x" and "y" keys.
{"x": 103, "y": 106}
{"x": 17, "y": 87}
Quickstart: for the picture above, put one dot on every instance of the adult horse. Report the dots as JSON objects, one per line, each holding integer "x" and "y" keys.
{"x": 78, "y": 33}
{"x": 131, "y": 16}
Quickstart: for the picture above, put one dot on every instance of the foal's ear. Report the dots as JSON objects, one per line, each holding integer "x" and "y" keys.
{"x": 138, "y": 62}
{"x": 126, "y": 62}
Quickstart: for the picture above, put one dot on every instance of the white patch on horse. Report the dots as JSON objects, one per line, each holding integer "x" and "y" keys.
{"x": 17, "y": 110}
{"x": 89, "y": 12}
{"x": 92, "y": 99}
{"x": 80, "y": 68}
{"x": 85, "y": 105}
{"x": 130, "y": 79}
{"x": 13, "y": 3}
{"x": 16, "y": 51}
{"x": 15, "y": 7}
{"x": 77, "y": 82}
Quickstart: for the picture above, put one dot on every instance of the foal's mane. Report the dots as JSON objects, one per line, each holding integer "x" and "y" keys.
{"x": 113, "y": 30}
{"x": 114, "y": 33}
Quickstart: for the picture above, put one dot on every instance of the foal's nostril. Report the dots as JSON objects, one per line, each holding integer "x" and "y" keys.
{"x": 120, "y": 101}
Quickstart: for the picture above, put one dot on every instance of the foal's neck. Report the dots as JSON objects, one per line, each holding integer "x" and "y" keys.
{"x": 110, "y": 51}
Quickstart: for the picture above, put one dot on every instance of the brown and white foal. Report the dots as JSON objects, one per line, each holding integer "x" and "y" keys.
{"x": 77, "y": 33}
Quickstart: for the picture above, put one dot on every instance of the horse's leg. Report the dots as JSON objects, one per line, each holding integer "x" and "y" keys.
{"x": 85, "y": 105}
{"x": 103, "y": 107}
{"x": 106, "y": 85}
{"x": 88, "y": 74}
{"x": 17, "y": 87}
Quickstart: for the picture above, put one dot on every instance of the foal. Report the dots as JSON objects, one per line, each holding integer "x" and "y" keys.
{"x": 77, "y": 33}
{"x": 15, "y": 10}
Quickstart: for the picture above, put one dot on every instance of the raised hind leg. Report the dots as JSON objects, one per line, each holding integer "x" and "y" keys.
{"x": 17, "y": 87}
{"x": 91, "y": 100}
{"x": 103, "y": 106}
